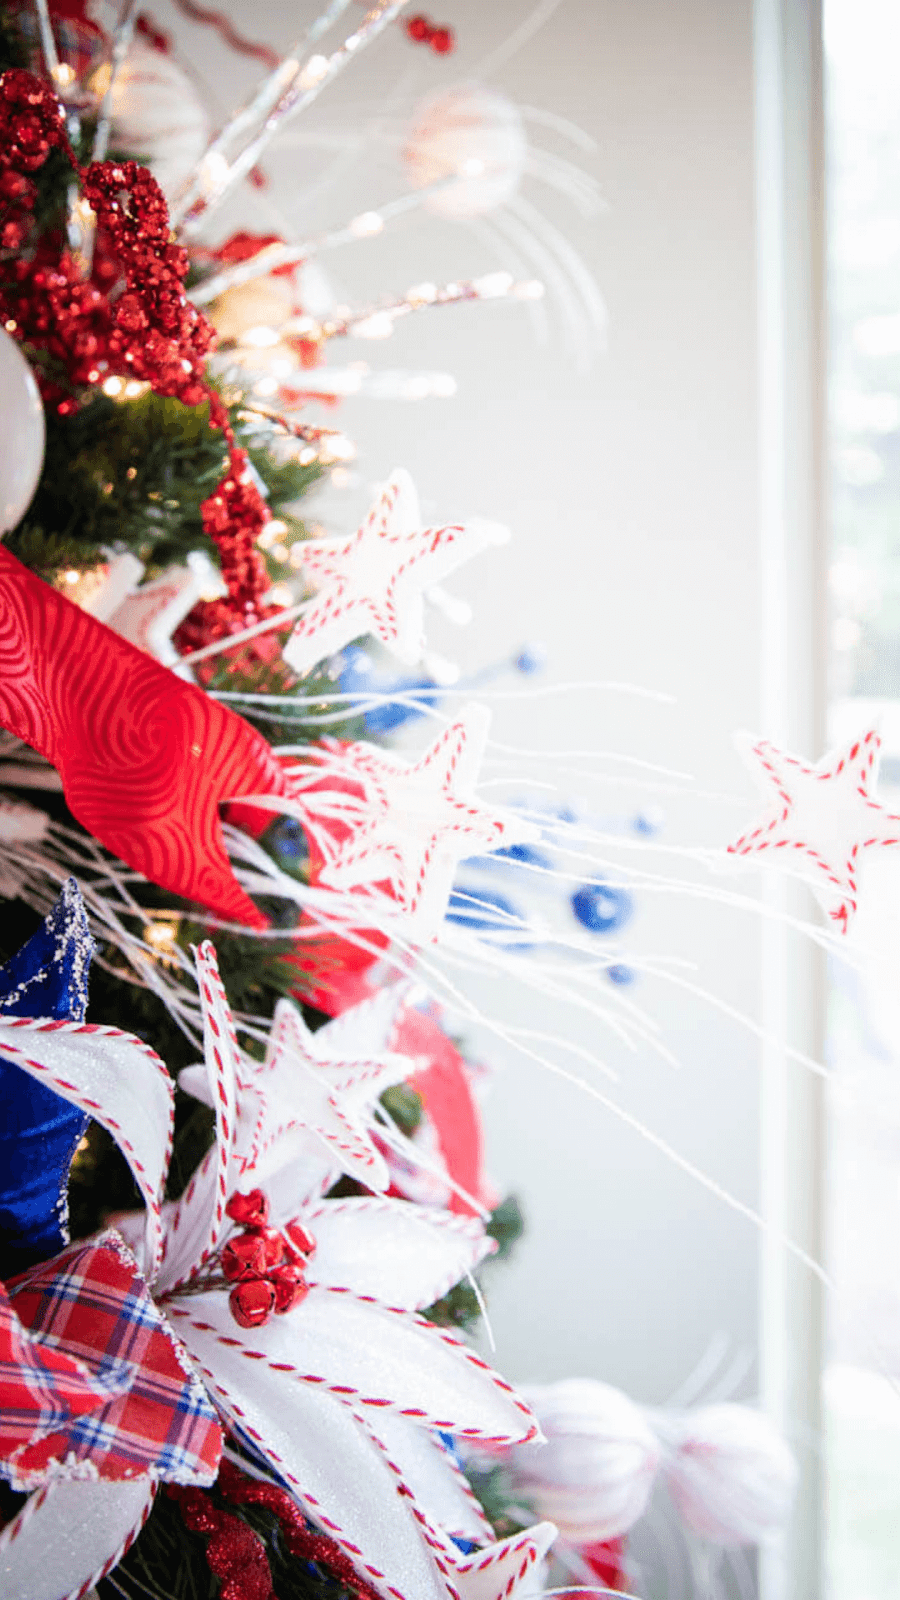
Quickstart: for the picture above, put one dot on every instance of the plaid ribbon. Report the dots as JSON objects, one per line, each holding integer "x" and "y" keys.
{"x": 41, "y": 1390}
{"x": 126, "y": 1404}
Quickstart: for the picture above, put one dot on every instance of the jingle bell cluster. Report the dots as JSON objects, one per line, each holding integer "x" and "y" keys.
{"x": 265, "y": 1266}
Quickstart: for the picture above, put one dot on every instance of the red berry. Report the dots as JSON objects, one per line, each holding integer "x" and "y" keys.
{"x": 244, "y": 1257}
{"x": 300, "y": 1237}
{"x": 290, "y": 1287}
{"x": 419, "y": 29}
{"x": 252, "y": 1303}
{"x": 442, "y": 40}
{"x": 250, "y": 1210}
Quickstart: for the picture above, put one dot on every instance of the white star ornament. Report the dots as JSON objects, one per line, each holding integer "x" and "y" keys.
{"x": 820, "y": 819}
{"x": 419, "y": 821}
{"x": 375, "y": 581}
{"x": 304, "y": 1112}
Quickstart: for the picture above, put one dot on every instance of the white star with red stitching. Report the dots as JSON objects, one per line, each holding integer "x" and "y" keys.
{"x": 419, "y": 821}
{"x": 374, "y": 582}
{"x": 821, "y": 818}
{"x": 302, "y": 1097}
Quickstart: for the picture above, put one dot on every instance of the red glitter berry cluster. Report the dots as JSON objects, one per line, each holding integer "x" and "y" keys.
{"x": 32, "y": 122}
{"x": 158, "y": 335}
{"x": 235, "y": 1554}
{"x": 423, "y": 31}
{"x": 234, "y": 516}
{"x": 299, "y": 1537}
{"x": 265, "y": 1266}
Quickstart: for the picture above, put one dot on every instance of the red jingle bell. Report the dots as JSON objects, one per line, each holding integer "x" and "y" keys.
{"x": 244, "y": 1257}
{"x": 290, "y": 1287}
{"x": 252, "y": 1302}
{"x": 419, "y": 29}
{"x": 301, "y": 1238}
{"x": 273, "y": 1245}
{"x": 442, "y": 40}
{"x": 250, "y": 1210}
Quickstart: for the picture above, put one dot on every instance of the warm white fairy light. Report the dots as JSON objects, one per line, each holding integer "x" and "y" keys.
{"x": 212, "y": 172}
{"x": 260, "y": 338}
{"x": 379, "y": 326}
{"x": 313, "y": 73}
{"x": 366, "y": 225}
{"x": 494, "y": 285}
{"x": 274, "y": 530}
{"x": 531, "y": 289}
{"x": 335, "y": 448}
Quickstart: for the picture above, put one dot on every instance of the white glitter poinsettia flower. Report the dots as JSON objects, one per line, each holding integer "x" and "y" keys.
{"x": 344, "y": 1392}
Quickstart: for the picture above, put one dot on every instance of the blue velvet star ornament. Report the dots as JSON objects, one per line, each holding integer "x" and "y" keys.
{"x": 39, "y": 1131}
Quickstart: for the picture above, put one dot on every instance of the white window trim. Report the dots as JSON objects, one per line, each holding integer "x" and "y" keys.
{"x": 793, "y": 542}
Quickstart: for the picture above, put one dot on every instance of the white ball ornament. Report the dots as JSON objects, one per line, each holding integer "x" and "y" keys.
{"x": 594, "y": 1475}
{"x": 470, "y": 135}
{"x": 158, "y": 117}
{"x": 23, "y": 435}
{"x": 730, "y": 1473}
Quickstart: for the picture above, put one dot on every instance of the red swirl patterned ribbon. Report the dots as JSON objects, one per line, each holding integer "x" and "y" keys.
{"x": 146, "y": 759}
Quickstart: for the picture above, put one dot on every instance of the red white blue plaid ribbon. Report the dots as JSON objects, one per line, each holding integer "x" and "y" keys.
{"x": 103, "y": 1387}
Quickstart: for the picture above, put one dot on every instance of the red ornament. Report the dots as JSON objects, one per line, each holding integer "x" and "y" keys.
{"x": 419, "y": 29}
{"x": 250, "y": 1210}
{"x": 244, "y": 1257}
{"x": 252, "y": 1302}
{"x": 290, "y": 1287}
{"x": 444, "y": 1087}
{"x": 301, "y": 1238}
{"x": 607, "y": 1558}
{"x": 145, "y": 758}
{"x": 442, "y": 41}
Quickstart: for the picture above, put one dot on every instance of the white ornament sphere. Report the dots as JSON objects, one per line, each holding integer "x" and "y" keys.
{"x": 23, "y": 435}
{"x": 594, "y": 1475}
{"x": 158, "y": 117}
{"x": 730, "y": 1474}
{"x": 473, "y": 136}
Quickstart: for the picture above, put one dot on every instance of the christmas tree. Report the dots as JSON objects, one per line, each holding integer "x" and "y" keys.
{"x": 237, "y": 1292}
